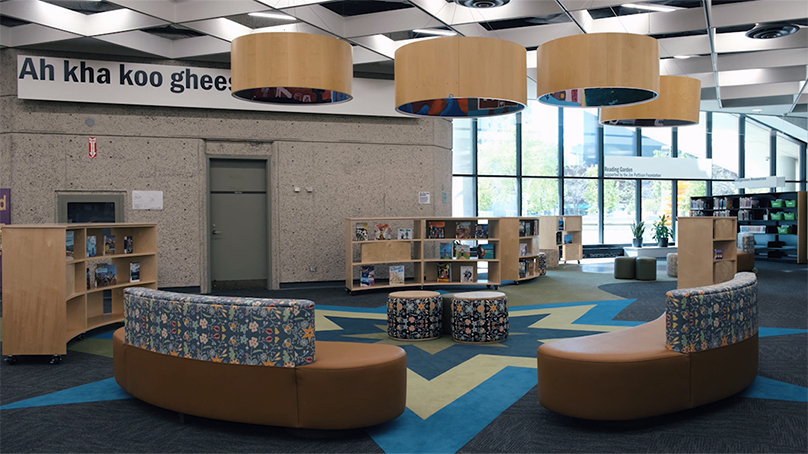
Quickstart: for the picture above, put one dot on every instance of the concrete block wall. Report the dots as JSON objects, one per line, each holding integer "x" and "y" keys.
{"x": 357, "y": 166}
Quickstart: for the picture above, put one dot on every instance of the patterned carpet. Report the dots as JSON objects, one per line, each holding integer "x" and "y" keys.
{"x": 461, "y": 397}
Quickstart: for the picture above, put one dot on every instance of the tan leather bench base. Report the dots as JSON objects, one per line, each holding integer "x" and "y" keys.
{"x": 350, "y": 385}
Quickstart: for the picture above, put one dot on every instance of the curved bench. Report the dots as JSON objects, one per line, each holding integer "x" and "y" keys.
{"x": 703, "y": 349}
{"x": 253, "y": 361}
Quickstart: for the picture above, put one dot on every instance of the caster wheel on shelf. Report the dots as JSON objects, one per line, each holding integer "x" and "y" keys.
{"x": 516, "y": 282}
{"x": 487, "y": 286}
{"x": 579, "y": 262}
{"x": 80, "y": 336}
{"x": 496, "y": 287}
{"x": 347, "y": 290}
{"x": 56, "y": 359}
{"x": 10, "y": 359}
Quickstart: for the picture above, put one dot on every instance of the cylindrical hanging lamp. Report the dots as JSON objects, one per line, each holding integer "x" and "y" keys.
{"x": 677, "y": 105}
{"x": 291, "y": 68}
{"x": 461, "y": 77}
{"x": 598, "y": 70}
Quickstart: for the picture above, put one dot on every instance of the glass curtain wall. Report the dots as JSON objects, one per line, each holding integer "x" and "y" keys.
{"x": 619, "y": 196}
{"x": 789, "y": 161}
{"x": 725, "y": 152}
{"x": 539, "y": 129}
{"x": 757, "y": 152}
{"x": 581, "y": 191}
{"x": 691, "y": 144}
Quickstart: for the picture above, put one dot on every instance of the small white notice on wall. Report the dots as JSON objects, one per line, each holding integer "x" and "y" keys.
{"x": 423, "y": 198}
{"x": 147, "y": 200}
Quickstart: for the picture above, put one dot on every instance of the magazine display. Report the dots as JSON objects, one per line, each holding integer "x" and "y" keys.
{"x": 134, "y": 272}
{"x": 383, "y": 232}
{"x": 482, "y": 231}
{"x": 444, "y": 272}
{"x": 127, "y": 245}
{"x": 69, "y": 238}
{"x": 436, "y": 229}
{"x": 361, "y": 231}
{"x": 109, "y": 244}
{"x": 466, "y": 274}
{"x": 104, "y": 275}
{"x": 367, "y": 276}
{"x": 446, "y": 250}
{"x": 463, "y": 230}
{"x": 91, "y": 251}
{"x": 462, "y": 251}
{"x": 485, "y": 251}
{"x": 404, "y": 234}
{"x": 397, "y": 275}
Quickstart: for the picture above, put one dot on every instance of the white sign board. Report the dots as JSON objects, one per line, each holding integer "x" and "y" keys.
{"x": 423, "y": 198}
{"x": 147, "y": 200}
{"x": 109, "y": 82}
{"x": 657, "y": 168}
{"x": 761, "y": 182}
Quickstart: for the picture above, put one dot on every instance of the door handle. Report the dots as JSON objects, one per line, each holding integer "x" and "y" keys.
{"x": 216, "y": 232}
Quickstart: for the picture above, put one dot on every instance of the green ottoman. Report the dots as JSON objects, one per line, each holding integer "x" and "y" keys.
{"x": 624, "y": 267}
{"x": 645, "y": 268}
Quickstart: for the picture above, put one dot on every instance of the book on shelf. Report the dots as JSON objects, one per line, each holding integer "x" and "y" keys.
{"x": 485, "y": 251}
{"x": 128, "y": 245}
{"x": 367, "y": 276}
{"x": 91, "y": 249}
{"x": 109, "y": 244}
{"x": 466, "y": 274}
{"x": 531, "y": 267}
{"x": 361, "y": 231}
{"x": 69, "y": 239}
{"x": 558, "y": 237}
{"x": 105, "y": 275}
{"x": 718, "y": 254}
{"x": 397, "y": 275}
{"x": 481, "y": 231}
{"x": 436, "y": 229}
{"x": 404, "y": 234}
{"x": 134, "y": 272}
{"x": 522, "y": 268}
{"x": 523, "y": 249}
{"x": 560, "y": 223}
{"x": 523, "y": 228}
{"x": 446, "y": 250}
{"x": 463, "y": 230}
{"x": 444, "y": 272}
{"x": 382, "y": 232}
{"x": 567, "y": 239}
{"x": 462, "y": 251}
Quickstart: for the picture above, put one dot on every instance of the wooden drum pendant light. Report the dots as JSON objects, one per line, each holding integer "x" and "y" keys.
{"x": 461, "y": 77}
{"x": 677, "y": 105}
{"x": 598, "y": 70}
{"x": 291, "y": 68}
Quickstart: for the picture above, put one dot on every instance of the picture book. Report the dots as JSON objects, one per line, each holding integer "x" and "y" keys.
{"x": 367, "y": 276}
{"x": 560, "y": 223}
{"x": 463, "y": 229}
{"x": 109, "y": 244}
{"x": 69, "y": 238}
{"x": 523, "y": 228}
{"x": 485, "y": 252}
{"x": 531, "y": 268}
{"x": 444, "y": 272}
{"x": 462, "y": 251}
{"x": 466, "y": 274}
{"x": 436, "y": 229}
{"x": 361, "y": 231}
{"x": 404, "y": 234}
{"x": 90, "y": 282}
{"x": 397, "y": 275}
{"x": 446, "y": 250}
{"x": 481, "y": 231}
{"x": 719, "y": 254}
{"x": 382, "y": 232}
{"x": 567, "y": 239}
{"x": 105, "y": 275}
{"x": 522, "y": 268}
{"x": 134, "y": 272}
{"x": 91, "y": 246}
{"x": 127, "y": 245}
{"x": 523, "y": 249}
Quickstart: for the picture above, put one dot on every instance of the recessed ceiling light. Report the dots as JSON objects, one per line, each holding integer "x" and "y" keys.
{"x": 658, "y": 8}
{"x": 277, "y": 16}
{"x": 757, "y": 110}
{"x": 681, "y": 57}
{"x": 429, "y": 31}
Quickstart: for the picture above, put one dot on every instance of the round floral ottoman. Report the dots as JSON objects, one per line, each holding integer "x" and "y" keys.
{"x": 414, "y": 315}
{"x": 480, "y": 317}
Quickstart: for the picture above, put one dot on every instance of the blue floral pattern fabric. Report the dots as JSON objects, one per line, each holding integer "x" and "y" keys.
{"x": 480, "y": 320}
{"x": 542, "y": 263}
{"x": 414, "y": 318}
{"x": 712, "y": 316}
{"x": 253, "y": 331}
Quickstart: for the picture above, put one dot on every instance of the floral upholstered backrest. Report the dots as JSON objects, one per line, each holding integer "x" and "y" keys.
{"x": 712, "y": 316}
{"x": 253, "y": 331}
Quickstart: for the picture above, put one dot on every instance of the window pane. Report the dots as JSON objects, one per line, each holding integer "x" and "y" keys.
{"x": 684, "y": 191}
{"x": 496, "y": 145}
{"x": 540, "y": 140}
{"x": 619, "y": 141}
{"x": 692, "y": 140}
{"x": 496, "y": 197}
{"x": 656, "y": 200}
{"x": 463, "y": 197}
{"x": 581, "y": 198}
{"x": 580, "y": 142}
{"x": 756, "y": 150}
{"x": 618, "y": 209}
{"x": 462, "y": 146}
{"x": 656, "y": 142}
{"x": 788, "y": 161}
{"x": 539, "y": 196}
{"x": 725, "y": 152}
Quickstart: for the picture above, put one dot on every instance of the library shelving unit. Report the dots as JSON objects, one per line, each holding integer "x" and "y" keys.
{"x": 519, "y": 243}
{"x": 53, "y": 292}
{"x": 430, "y": 255}
{"x": 778, "y": 221}
{"x": 707, "y": 250}
{"x": 564, "y": 234}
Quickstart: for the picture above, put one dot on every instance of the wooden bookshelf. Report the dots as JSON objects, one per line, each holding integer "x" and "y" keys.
{"x": 701, "y": 240}
{"x": 552, "y": 233}
{"x": 46, "y": 299}
{"x": 516, "y": 232}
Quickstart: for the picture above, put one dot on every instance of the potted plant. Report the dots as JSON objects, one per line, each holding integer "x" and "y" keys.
{"x": 637, "y": 230}
{"x": 661, "y": 230}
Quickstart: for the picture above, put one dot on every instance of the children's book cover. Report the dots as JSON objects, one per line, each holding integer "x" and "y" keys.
{"x": 383, "y": 232}
{"x": 463, "y": 229}
{"x": 446, "y": 250}
{"x": 482, "y": 231}
{"x": 436, "y": 229}
{"x": 397, "y": 275}
{"x": 367, "y": 276}
{"x": 466, "y": 274}
{"x": 462, "y": 251}
{"x": 105, "y": 275}
{"x": 69, "y": 239}
{"x": 127, "y": 245}
{"x": 91, "y": 250}
{"x": 134, "y": 272}
{"x": 485, "y": 251}
{"x": 109, "y": 244}
{"x": 404, "y": 234}
{"x": 361, "y": 231}
{"x": 444, "y": 272}
{"x": 523, "y": 249}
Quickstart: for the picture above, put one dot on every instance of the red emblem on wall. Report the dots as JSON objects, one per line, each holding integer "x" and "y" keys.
{"x": 92, "y": 150}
